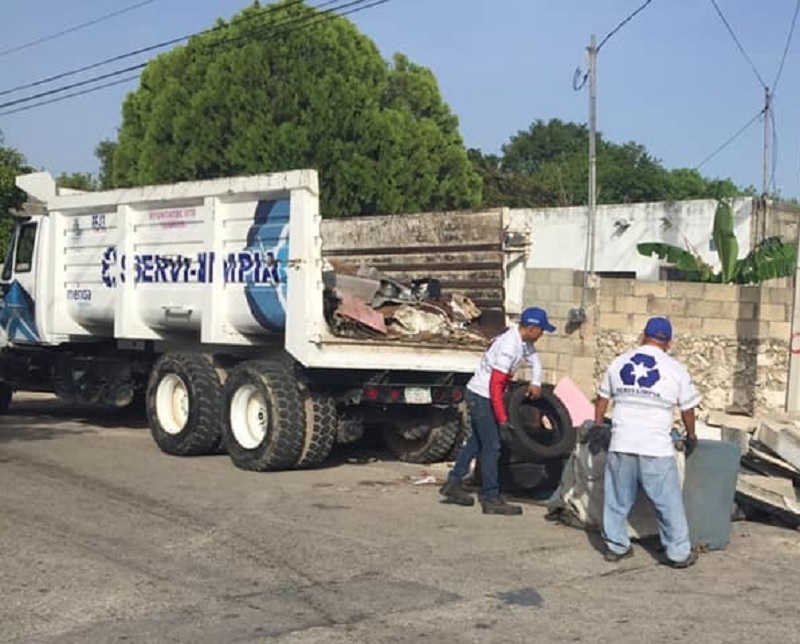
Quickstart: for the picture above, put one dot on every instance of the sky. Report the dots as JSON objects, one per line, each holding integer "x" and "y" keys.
{"x": 671, "y": 79}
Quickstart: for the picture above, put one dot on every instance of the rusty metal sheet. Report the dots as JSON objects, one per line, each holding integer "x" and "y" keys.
{"x": 354, "y": 309}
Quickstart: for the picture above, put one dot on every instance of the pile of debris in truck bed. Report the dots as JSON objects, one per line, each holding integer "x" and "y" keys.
{"x": 770, "y": 467}
{"x": 364, "y": 303}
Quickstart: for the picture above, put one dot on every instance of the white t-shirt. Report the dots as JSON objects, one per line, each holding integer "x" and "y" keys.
{"x": 646, "y": 384}
{"x": 505, "y": 354}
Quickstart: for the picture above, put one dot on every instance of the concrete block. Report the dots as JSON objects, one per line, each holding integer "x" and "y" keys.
{"x": 628, "y": 304}
{"x": 638, "y": 322}
{"x": 560, "y": 277}
{"x": 616, "y": 287}
{"x": 750, "y": 328}
{"x": 713, "y": 326}
{"x": 606, "y": 305}
{"x": 750, "y": 294}
{"x": 707, "y": 309}
{"x": 569, "y": 294}
{"x": 722, "y": 292}
{"x": 782, "y": 438}
{"x": 772, "y": 312}
{"x": 780, "y": 330}
{"x": 690, "y": 290}
{"x": 614, "y": 321}
{"x": 564, "y": 363}
{"x": 777, "y": 295}
{"x": 642, "y": 288}
{"x": 667, "y": 306}
{"x": 718, "y": 418}
{"x": 746, "y": 310}
{"x": 687, "y": 325}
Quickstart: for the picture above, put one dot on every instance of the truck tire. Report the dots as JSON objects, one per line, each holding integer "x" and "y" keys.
{"x": 543, "y": 428}
{"x": 263, "y": 419}
{"x": 5, "y": 397}
{"x": 428, "y": 437}
{"x": 464, "y": 433}
{"x": 322, "y": 425}
{"x": 183, "y": 403}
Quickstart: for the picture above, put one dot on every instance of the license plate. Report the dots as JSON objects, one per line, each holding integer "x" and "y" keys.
{"x": 418, "y": 396}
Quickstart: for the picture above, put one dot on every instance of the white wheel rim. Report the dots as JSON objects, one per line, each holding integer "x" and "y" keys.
{"x": 249, "y": 416}
{"x": 172, "y": 404}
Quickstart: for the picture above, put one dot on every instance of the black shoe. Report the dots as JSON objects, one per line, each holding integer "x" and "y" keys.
{"x": 455, "y": 493}
{"x": 614, "y": 557}
{"x": 691, "y": 560}
{"x": 499, "y": 506}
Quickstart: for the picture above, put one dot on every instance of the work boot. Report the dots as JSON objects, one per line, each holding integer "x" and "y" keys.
{"x": 500, "y": 506}
{"x": 453, "y": 492}
{"x": 691, "y": 560}
{"x": 614, "y": 557}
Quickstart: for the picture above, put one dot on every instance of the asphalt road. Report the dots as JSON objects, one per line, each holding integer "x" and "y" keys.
{"x": 105, "y": 539}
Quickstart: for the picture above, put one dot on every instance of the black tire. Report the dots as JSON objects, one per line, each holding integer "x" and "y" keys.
{"x": 421, "y": 436}
{"x": 6, "y": 393}
{"x": 322, "y": 425}
{"x": 200, "y": 433}
{"x": 532, "y": 437}
{"x": 464, "y": 433}
{"x": 276, "y": 395}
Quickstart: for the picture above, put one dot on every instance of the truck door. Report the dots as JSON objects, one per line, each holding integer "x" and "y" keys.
{"x": 17, "y": 285}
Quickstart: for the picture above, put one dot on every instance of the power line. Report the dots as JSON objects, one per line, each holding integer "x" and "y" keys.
{"x": 144, "y": 50}
{"x": 738, "y": 43}
{"x": 623, "y": 23}
{"x": 306, "y": 22}
{"x": 138, "y": 66}
{"x": 73, "y": 29}
{"x": 786, "y": 47}
{"x": 119, "y": 81}
{"x": 738, "y": 133}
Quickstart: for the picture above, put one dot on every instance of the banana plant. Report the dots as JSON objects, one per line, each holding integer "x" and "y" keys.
{"x": 769, "y": 259}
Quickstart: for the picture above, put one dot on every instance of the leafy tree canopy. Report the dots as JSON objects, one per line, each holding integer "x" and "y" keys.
{"x": 547, "y": 165}
{"x": 256, "y": 95}
{"x": 12, "y": 163}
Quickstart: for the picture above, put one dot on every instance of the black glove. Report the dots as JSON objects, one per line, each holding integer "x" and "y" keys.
{"x": 599, "y": 439}
{"x": 689, "y": 443}
{"x": 506, "y": 432}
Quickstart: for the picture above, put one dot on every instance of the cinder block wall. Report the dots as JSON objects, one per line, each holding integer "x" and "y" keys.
{"x": 734, "y": 339}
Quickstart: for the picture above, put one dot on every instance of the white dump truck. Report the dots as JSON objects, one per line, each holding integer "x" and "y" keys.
{"x": 246, "y": 323}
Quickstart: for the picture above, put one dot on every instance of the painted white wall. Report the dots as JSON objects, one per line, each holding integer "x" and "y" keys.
{"x": 559, "y": 235}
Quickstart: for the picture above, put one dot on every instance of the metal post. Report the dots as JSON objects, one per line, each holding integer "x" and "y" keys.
{"x": 592, "y": 149}
{"x": 767, "y": 117}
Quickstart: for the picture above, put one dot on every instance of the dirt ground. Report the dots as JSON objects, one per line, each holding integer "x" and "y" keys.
{"x": 105, "y": 539}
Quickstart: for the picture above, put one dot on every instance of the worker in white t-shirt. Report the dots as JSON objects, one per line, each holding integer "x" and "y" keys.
{"x": 485, "y": 397}
{"x": 646, "y": 385}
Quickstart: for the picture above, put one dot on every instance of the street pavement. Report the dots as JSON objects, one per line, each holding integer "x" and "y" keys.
{"x": 105, "y": 539}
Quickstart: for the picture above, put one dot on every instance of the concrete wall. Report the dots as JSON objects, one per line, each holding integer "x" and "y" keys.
{"x": 733, "y": 339}
{"x": 559, "y": 234}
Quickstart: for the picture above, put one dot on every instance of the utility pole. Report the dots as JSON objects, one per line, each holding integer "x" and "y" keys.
{"x": 767, "y": 123}
{"x": 592, "y": 148}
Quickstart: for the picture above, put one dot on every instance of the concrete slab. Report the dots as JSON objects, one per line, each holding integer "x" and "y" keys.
{"x": 781, "y": 438}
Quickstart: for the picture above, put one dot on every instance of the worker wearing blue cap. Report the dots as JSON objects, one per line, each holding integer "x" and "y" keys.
{"x": 646, "y": 385}
{"x": 485, "y": 397}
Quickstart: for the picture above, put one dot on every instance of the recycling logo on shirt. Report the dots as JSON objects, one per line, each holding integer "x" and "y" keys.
{"x": 641, "y": 370}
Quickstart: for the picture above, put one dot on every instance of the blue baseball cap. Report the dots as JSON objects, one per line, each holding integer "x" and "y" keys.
{"x": 658, "y": 329}
{"x": 534, "y": 316}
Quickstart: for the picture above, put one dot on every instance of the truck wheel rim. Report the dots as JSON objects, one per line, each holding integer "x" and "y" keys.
{"x": 172, "y": 404}
{"x": 249, "y": 417}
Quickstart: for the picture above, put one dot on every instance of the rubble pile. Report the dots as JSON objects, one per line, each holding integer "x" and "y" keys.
{"x": 770, "y": 467}
{"x": 364, "y": 303}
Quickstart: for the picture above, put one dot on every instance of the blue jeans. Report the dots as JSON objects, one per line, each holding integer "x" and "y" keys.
{"x": 661, "y": 483}
{"x": 485, "y": 440}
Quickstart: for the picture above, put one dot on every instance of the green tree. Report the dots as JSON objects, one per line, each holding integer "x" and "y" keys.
{"x": 547, "y": 165}
{"x": 105, "y": 154}
{"x": 78, "y": 181}
{"x": 12, "y": 163}
{"x": 317, "y": 95}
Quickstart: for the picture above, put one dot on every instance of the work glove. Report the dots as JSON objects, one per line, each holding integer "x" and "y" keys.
{"x": 689, "y": 444}
{"x": 599, "y": 439}
{"x": 506, "y": 432}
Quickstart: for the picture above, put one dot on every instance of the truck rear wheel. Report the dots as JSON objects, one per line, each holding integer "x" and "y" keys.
{"x": 422, "y": 436}
{"x": 263, "y": 420}
{"x": 322, "y": 426}
{"x": 183, "y": 404}
{"x": 5, "y": 397}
